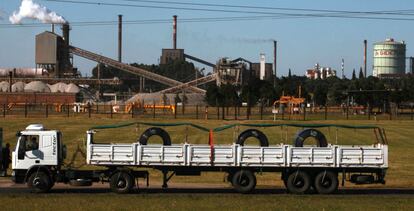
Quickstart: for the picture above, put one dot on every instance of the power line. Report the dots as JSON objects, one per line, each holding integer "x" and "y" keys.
{"x": 326, "y": 15}
{"x": 154, "y": 21}
{"x": 392, "y": 12}
{"x": 199, "y": 20}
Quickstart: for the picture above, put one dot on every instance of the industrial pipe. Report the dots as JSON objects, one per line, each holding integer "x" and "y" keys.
{"x": 65, "y": 31}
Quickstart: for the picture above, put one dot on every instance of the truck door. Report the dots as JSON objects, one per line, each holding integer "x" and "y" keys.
{"x": 28, "y": 152}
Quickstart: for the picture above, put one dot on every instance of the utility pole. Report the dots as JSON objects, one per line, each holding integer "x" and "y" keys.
{"x": 274, "y": 61}
{"x": 365, "y": 58}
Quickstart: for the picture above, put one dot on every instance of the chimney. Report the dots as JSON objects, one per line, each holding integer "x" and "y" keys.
{"x": 365, "y": 58}
{"x": 65, "y": 31}
{"x": 120, "y": 38}
{"x": 275, "y": 57}
{"x": 175, "y": 32}
{"x": 412, "y": 64}
{"x": 262, "y": 73}
{"x": 53, "y": 28}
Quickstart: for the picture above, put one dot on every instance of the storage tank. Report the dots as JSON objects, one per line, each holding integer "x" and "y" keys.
{"x": 389, "y": 58}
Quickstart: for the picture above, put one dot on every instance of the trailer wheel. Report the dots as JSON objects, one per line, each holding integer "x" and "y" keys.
{"x": 244, "y": 181}
{"x": 155, "y": 131}
{"x": 326, "y": 182}
{"x": 304, "y": 134}
{"x": 298, "y": 182}
{"x": 259, "y": 135}
{"x": 39, "y": 182}
{"x": 121, "y": 182}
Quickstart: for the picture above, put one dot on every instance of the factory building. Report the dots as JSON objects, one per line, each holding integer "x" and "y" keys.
{"x": 235, "y": 72}
{"x": 389, "y": 58}
{"x": 170, "y": 55}
{"x": 262, "y": 70}
{"x": 319, "y": 72}
{"x": 52, "y": 53}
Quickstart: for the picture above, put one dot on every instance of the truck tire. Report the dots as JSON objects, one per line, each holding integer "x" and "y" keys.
{"x": 259, "y": 135}
{"x": 326, "y": 182}
{"x": 155, "y": 131}
{"x": 244, "y": 181}
{"x": 39, "y": 182}
{"x": 298, "y": 182}
{"x": 121, "y": 182}
{"x": 304, "y": 134}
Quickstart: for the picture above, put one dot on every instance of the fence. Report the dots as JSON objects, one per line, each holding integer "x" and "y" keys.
{"x": 28, "y": 110}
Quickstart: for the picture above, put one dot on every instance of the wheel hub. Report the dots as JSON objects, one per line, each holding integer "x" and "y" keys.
{"x": 121, "y": 184}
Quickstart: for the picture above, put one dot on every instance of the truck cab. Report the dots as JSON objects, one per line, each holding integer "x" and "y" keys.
{"x": 37, "y": 149}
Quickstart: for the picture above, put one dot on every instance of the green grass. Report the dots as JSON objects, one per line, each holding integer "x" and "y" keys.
{"x": 190, "y": 201}
{"x": 400, "y": 173}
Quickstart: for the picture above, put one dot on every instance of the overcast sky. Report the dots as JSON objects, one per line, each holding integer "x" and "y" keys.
{"x": 302, "y": 41}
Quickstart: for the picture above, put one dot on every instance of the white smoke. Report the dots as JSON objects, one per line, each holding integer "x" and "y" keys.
{"x": 254, "y": 40}
{"x": 32, "y": 10}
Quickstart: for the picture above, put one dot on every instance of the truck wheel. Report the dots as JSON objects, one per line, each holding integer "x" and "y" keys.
{"x": 259, "y": 135}
{"x": 39, "y": 182}
{"x": 298, "y": 182}
{"x": 121, "y": 182}
{"x": 326, "y": 182}
{"x": 304, "y": 134}
{"x": 155, "y": 131}
{"x": 244, "y": 181}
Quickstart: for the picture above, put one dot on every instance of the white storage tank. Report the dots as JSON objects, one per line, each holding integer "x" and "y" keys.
{"x": 389, "y": 58}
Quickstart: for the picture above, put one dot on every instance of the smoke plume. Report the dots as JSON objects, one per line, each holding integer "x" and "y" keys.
{"x": 254, "y": 40}
{"x": 2, "y": 14}
{"x": 32, "y": 10}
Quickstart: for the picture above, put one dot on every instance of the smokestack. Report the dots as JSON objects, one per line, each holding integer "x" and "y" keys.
{"x": 11, "y": 79}
{"x": 365, "y": 58}
{"x": 53, "y": 28}
{"x": 262, "y": 73}
{"x": 274, "y": 58}
{"x": 412, "y": 64}
{"x": 120, "y": 38}
{"x": 175, "y": 32}
{"x": 65, "y": 31}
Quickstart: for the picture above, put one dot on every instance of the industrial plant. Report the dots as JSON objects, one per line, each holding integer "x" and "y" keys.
{"x": 56, "y": 77}
{"x": 56, "y": 80}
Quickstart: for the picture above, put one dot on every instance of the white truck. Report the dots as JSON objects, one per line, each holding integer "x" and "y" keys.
{"x": 39, "y": 154}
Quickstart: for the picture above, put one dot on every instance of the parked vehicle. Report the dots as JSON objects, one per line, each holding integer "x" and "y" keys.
{"x": 39, "y": 155}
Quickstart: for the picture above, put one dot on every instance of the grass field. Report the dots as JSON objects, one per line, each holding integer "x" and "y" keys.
{"x": 400, "y": 174}
{"x": 180, "y": 201}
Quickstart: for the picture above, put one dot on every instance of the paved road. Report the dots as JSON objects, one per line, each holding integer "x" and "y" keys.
{"x": 7, "y": 187}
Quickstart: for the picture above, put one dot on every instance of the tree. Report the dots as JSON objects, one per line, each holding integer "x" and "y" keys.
{"x": 354, "y": 75}
{"x": 361, "y": 74}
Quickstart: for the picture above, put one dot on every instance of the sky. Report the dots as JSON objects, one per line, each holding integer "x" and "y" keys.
{"x": 302, "y": 42}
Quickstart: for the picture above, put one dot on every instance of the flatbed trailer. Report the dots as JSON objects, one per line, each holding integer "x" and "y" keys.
{"x": 302, "y": 168}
